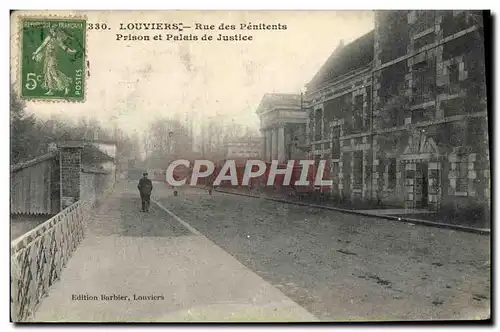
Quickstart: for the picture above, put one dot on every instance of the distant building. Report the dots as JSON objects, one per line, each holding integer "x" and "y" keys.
{"x": 282, "y": 125}
{"x": 219, "y": 132}
{"x": 247, "y": 148}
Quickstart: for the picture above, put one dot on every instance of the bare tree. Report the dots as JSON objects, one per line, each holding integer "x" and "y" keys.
{"x": 164, "y": 141}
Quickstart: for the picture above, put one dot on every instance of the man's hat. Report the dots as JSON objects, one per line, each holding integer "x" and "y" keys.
{"x": 144, "y": 173}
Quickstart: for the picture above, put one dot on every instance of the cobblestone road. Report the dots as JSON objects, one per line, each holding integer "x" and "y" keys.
{"x": 345, "y": 267}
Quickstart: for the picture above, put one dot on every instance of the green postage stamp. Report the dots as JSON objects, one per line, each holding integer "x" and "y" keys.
{"x": 53, "y": 58}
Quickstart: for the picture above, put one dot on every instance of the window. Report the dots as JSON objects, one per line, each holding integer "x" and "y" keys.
{"x": 462, "y": 174}
{"x": 311, "y": 125}
{"x": 454, "y": 79}
{"x": 391, "y": 173}
{"x": 475, "y": 130}
{"x": 335, "y": 171}
{"x": 358, "y": 113}
{"x": 328, "y": 165}
{"x": 326, "y": 128}
{"x": 336, "y": 142}
{"x": 455, "y": 22}
{"x": 392, "y": 81}
{"x": 369, "y": 106}
{"x": 317, "y": 125}
{"x": 357, "y": 169}
{"x": 425, "y": 20}
{"x": 424, "y": 82}
{"x": 424, "y": 41}
{"x": 317, "y": 159}
{"x": 329, "y": 116}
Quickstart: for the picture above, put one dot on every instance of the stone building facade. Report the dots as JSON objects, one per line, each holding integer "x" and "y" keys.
{"x": 339, "y": 112}
{"x": 430, "y": 121}
{"x": 401, "y": 112}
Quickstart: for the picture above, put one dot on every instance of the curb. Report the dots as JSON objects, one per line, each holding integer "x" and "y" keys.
{"x": 481, "y": 231}
{"x": 178, "y": 219}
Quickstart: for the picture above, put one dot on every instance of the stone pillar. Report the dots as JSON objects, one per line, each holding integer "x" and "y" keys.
{"x": 263, "y": 145}
{"x": 281, "y": 145}
{"x": 274, "y": 134}
{"x": 269, "y": 145}
{"x": 70, "y": 163}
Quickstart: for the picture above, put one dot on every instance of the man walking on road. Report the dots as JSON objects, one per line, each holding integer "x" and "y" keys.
{"x": 145, "y": 187}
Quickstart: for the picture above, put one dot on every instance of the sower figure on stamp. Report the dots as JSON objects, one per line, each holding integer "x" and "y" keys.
{"x": 145, "y": 187}
{"x": 53, "y": 78}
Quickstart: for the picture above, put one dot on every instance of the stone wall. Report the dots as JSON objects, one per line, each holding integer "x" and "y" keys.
{"x": 39, "y": 256}
{"x": 88, "y": 187}
{"x": 95, "y": 185}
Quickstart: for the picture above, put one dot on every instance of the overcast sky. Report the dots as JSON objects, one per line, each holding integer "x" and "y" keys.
{"x": 134, "y": 82}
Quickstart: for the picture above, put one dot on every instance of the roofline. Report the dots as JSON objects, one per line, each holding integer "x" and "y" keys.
{"x": 80, "y": 142}
{"x": 281, "y": 94}
{"x": 297, "y": 95}
{"x": 285, "y": 108}
{"x": 331, "y": 55}
{"x": 342, "y": 78}
{"x": 34, "y": 161}
{"x": 93, "y": 169}
{"x": 70, "y": 144}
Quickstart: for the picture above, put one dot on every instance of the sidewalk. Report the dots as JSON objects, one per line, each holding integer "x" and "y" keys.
{"x": 390, "y": 214}
{"x": 173, "y": 274}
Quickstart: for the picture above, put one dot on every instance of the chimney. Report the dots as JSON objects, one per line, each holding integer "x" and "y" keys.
{"x": 340, "y": 46}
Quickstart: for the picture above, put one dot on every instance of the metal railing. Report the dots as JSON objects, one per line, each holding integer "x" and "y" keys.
{"x": 39, "y": 256}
